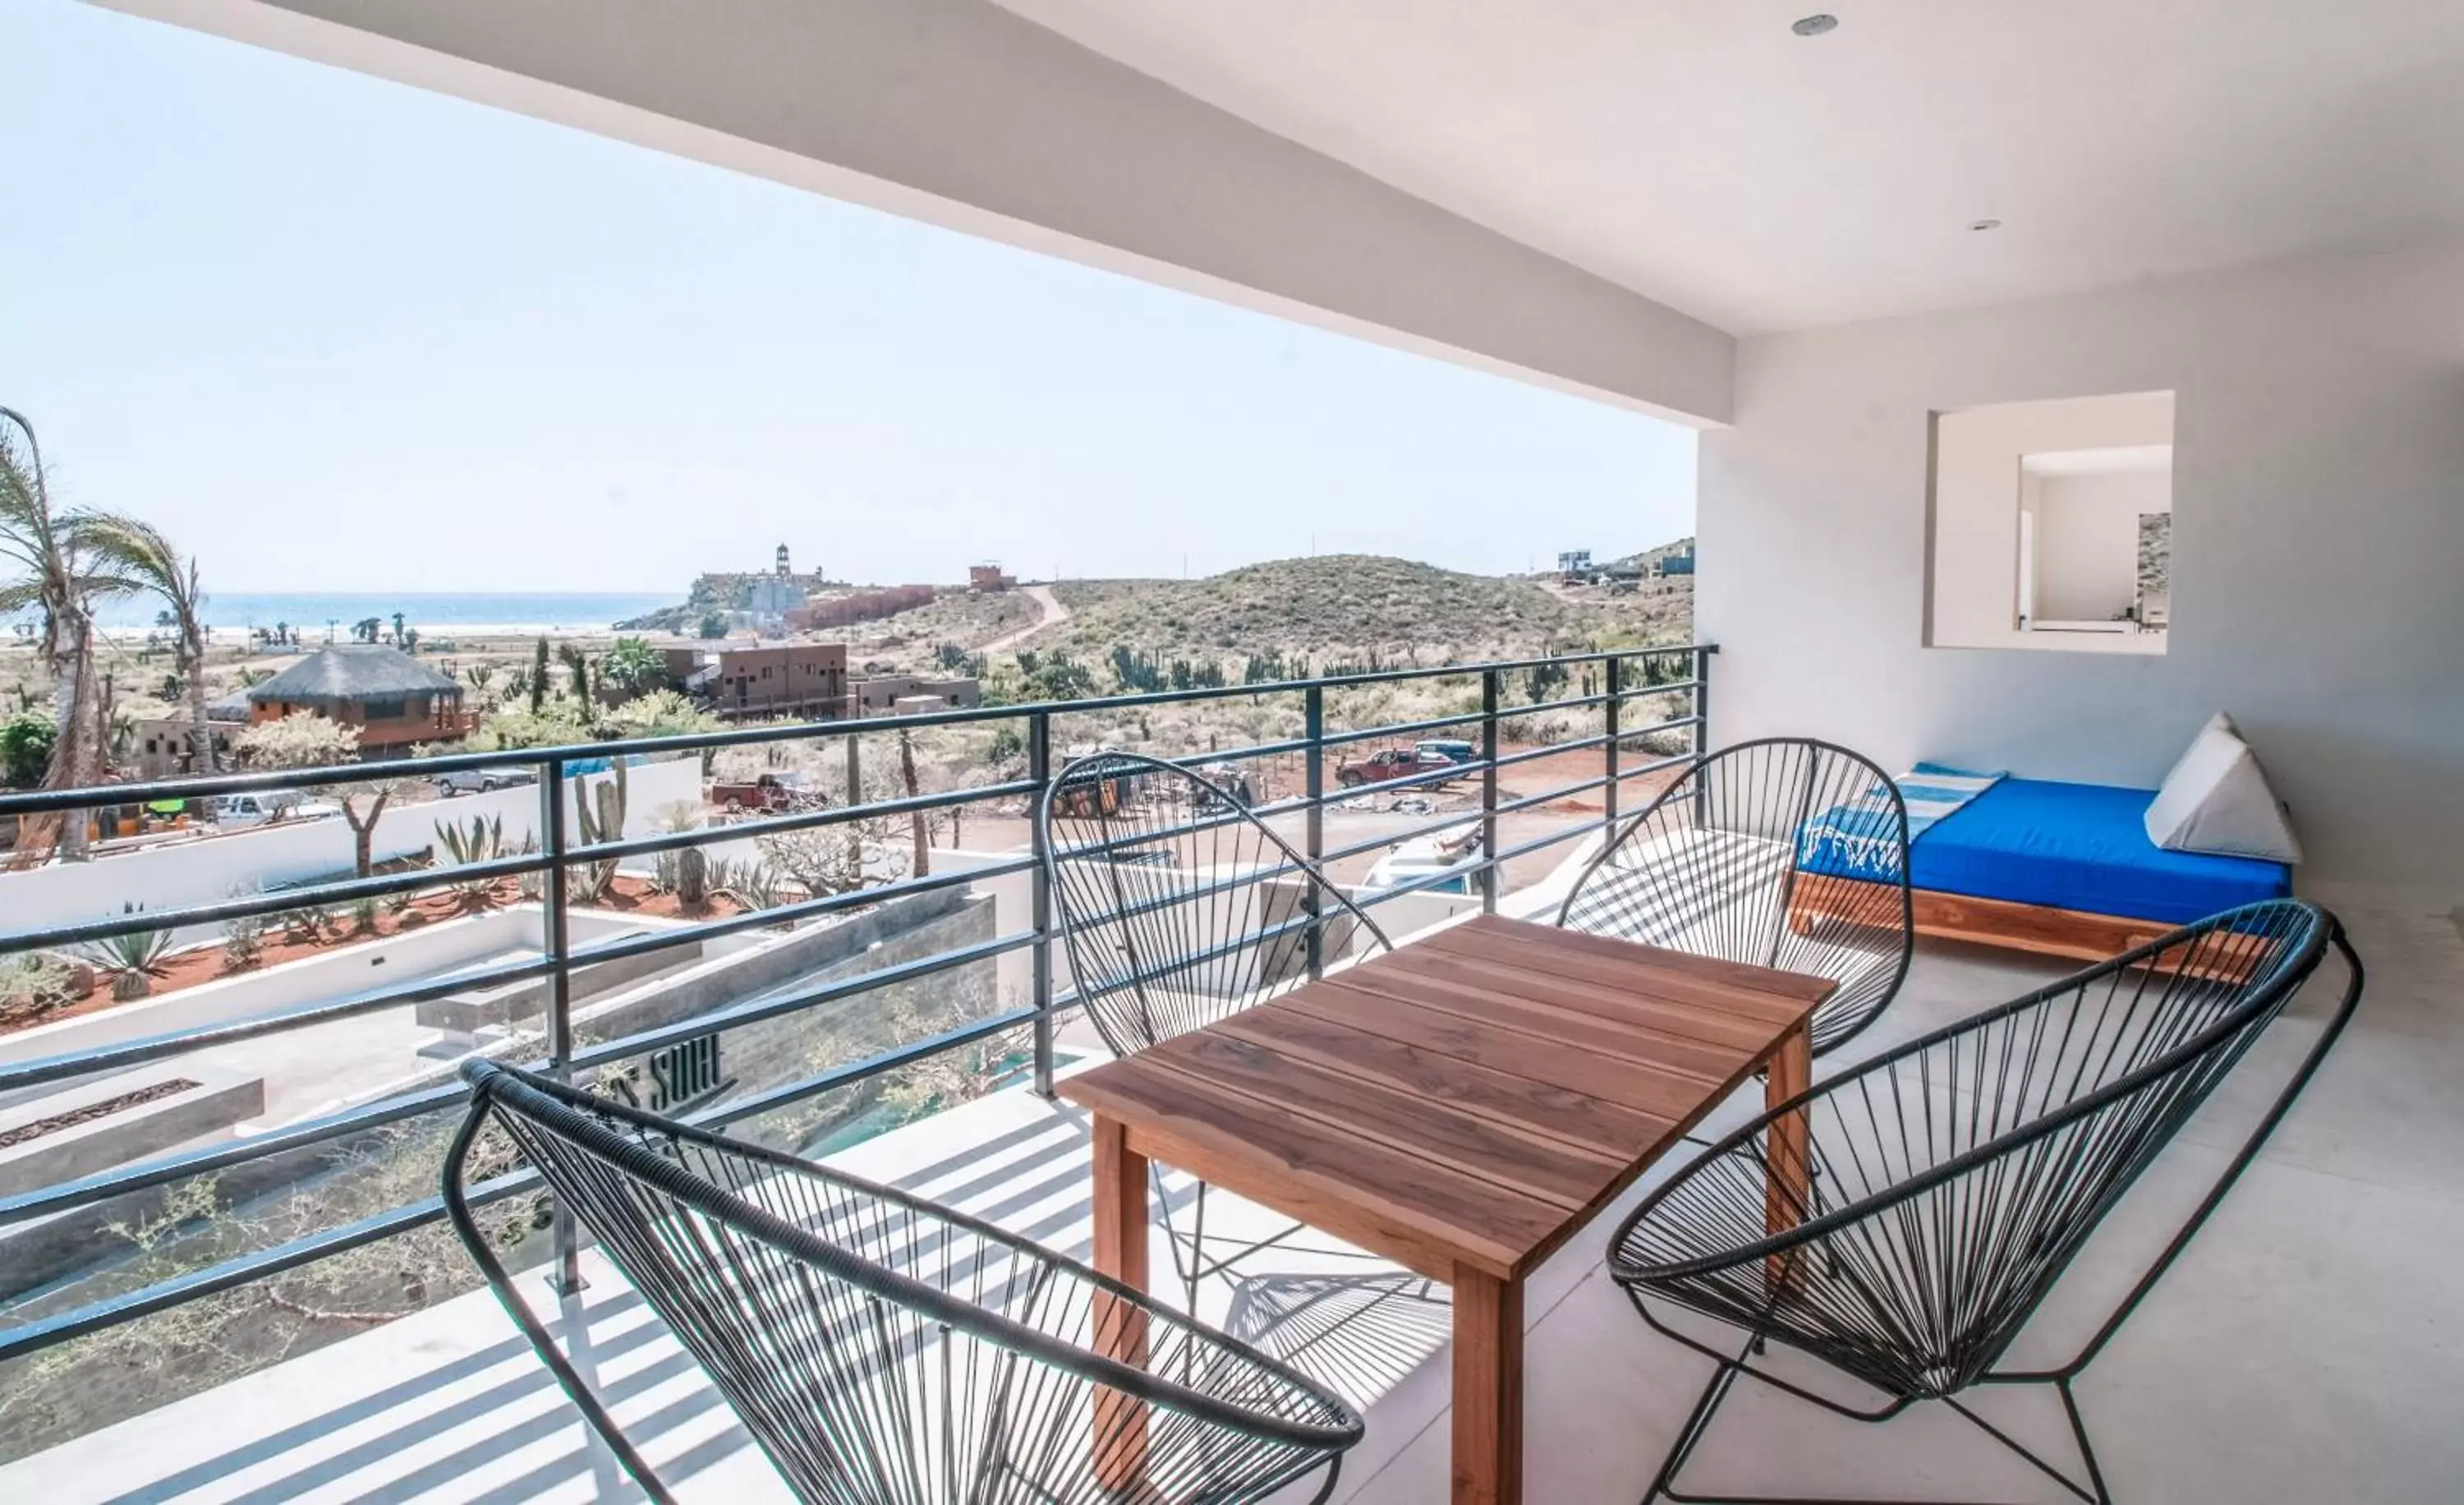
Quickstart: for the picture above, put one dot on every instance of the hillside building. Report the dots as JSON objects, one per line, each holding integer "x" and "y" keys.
{"x": 806, "y": 679}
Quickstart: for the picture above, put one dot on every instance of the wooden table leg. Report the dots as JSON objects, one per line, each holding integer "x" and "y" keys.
{"x": 1120, "y": 1328}
{"x": 1790, "y": 1144}
{"x": 1488, "y": 1389}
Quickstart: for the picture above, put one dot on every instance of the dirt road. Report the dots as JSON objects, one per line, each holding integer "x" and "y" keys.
{"x": 1051, "y": 613}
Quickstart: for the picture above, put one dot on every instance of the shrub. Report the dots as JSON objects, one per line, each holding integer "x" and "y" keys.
{"x": 243, "y": 942}
{"x": 26, "y": 740}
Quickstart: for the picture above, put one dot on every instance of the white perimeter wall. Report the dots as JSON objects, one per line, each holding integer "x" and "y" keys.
{"x": 211, "y": 869}
{"x": 2318, "y": 546}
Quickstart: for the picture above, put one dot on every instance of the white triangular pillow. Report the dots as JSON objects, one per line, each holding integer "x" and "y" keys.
{"x": 2216, "y": 800}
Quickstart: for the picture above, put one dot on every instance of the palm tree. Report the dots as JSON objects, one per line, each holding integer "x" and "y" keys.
{"x": 632, "y": 667}
{"x": 50, "y": 566}
{"x": 138, "y": 552}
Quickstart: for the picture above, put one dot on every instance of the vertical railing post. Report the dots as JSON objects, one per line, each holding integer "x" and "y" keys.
{"x": 1313, "y": 784}
{"x": 1614, "y": 711}
{"x": 1702, "y": 656}
{"x": 1038, "y": 772}
{"x": 1489, "y": 791}
{"x": 555, "y": 947}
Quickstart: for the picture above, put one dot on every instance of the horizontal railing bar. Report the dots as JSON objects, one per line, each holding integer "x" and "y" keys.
{"x": 665, "y": 1035}
{"x": 1546, "y": 840}
{"x": 241, "y": 1269}
{"x": 857, "y": 1072}
{"x": 754, "y": 830}
{"x": 161, "y": 1172}
{"x": 272, "y": 901}
{"x": 647, "y": 943}
{"x": 1450, "y": 821}
{"x": 1397, "y": 729}
{"x": 51, "y": 801}
{"x": 178, "y": 1041}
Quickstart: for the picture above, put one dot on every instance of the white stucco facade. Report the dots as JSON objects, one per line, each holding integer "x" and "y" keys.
{"x": 2317, "y": 539}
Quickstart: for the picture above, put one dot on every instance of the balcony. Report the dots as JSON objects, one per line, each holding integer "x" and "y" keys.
{"x": 2312, "y": 1299}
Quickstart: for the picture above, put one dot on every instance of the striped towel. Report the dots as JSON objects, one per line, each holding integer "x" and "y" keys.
{"x": 1857, "y": 839}
{"x": 1932, "y": 792}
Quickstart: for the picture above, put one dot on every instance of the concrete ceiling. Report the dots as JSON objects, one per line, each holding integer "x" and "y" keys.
{"x": 1700, "y": 153}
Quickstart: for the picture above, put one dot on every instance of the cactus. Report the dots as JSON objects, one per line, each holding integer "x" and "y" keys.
{"x": 685, "y": 872}
{"x": 600, "y": 812}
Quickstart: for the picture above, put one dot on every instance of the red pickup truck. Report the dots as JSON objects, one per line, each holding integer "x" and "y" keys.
{"x": 1398, "y": 763}
{"x": 772, "y": 793}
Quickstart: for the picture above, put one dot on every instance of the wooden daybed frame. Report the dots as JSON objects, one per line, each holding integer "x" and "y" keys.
{"x": 2077, "y": 934}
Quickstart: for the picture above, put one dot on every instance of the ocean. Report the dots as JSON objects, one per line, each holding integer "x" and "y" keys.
{"x": 231, "y": 614}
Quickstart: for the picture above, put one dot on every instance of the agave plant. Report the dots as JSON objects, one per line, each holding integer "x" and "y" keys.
{"x": 481, "y": 840}
{"x": 753, "y": 884}
{"x": 132, "y": 961}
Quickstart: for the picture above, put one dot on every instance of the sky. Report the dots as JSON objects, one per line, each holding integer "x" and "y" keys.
{"x": 332, "y": 332}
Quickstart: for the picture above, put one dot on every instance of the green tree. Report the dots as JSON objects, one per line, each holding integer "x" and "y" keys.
{"x": 714, "y": 624}
{"x": 25, "y": 743}
{"x": 140, "y": 553}
{"x": 632, "y": 668}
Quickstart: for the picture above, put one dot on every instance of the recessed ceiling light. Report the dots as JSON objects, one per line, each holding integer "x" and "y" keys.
{"x": 1814, "y": 25}
{"x": 1986, "y": 224}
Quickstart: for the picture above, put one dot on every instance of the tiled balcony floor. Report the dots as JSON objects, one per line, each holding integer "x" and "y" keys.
{"x": 2310, "y": 1346}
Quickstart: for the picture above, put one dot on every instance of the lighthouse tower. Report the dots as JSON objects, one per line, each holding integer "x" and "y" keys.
{"x": 784, "y": 570}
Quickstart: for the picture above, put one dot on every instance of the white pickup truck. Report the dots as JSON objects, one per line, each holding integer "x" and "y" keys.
{"x": 234, "y": 811}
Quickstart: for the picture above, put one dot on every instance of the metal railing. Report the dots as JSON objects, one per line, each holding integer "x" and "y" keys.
{"x": 1681, "y": 672}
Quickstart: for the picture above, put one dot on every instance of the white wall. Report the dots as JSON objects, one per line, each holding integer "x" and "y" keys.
{"x": 2318, "y": 530}
{"x": 213, "y": 868}
{"x": 2087, "y": 542}
{"x": 963, "y": 114}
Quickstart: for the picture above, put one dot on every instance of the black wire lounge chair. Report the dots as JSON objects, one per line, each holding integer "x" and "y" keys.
{"x": 1178, "y": 908}
{"x": 883, "y": 1349}
{"x": 1950, "y": 1182}
{"x": 1723, "y": 862}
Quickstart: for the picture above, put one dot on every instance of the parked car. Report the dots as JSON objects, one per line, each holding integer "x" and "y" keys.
{"x": 238, "y": 810}
{"x": 770, "y": 793}
{"x": 1453, "y": 749}
{"x": 1396, "y": 763}
{"x": 482, "y": 780}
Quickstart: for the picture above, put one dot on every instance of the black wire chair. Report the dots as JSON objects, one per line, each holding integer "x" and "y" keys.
{"x": 1782, "y": 852}
{"x": 884, "y": 1349}
{"x": 1179, "y": 907}
{"x": 1902, "y": 1222}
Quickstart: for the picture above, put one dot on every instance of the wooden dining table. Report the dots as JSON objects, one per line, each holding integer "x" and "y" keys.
{"x": 1463, "y": 1106}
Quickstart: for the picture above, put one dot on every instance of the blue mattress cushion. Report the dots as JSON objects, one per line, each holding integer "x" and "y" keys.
{"x": 2083, "y": 847}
